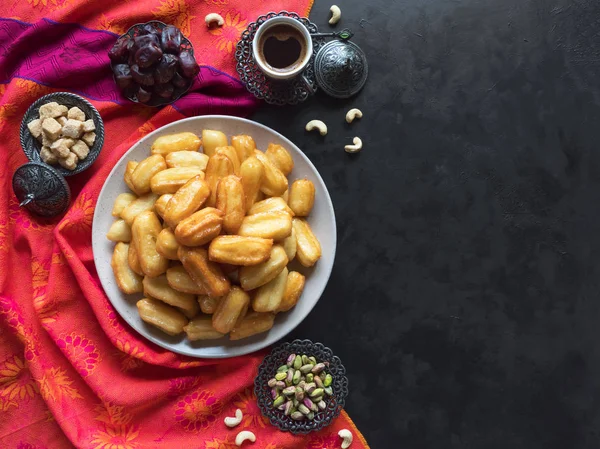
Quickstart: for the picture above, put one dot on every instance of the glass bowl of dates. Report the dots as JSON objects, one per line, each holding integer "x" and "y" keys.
{"x": 301, "y": 386}
{"x": 153, "y": 63}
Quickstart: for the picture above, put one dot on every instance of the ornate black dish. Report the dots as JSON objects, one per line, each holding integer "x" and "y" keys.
{"x": 31, "y": 147}
{"x": 41, "y": 190}
{"x": 186, "y": 45}
{"x": 278, "y": 357}
{"x": 274, "y": 92}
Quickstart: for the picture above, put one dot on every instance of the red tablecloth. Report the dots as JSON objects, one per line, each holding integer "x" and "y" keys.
{"x": 71, "y": 371}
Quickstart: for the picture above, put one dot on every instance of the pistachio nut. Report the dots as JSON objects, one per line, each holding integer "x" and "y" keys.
{"x": 288, "y": 408}
{"x": 281, "y": 407}
{"x": 307, "y": 402}
{"x": 298, "y": 416}
{"x": 322, "y": 375}
{"x": 280, "y": 384}
{"x": 296, "y": 378}
{"x": 274, "y": 393}
{"x": 310, "y": 387}
{"x": 280, "y": 376}
{"x": 319, "y": 382}
{"x": 290, "y": 359}
{"x": 312, "y": 360}
{"x": 317, "y": 398}
{"x": 299, "y": 395}
{"x": 328, "y": 380}
{"x": 311, "y": 415}
{"x": 310, "y": 377}
{"x": 305, "y": 369}
{"x": 282, "y": 369}
{"x": 288, "y": 391}
{"x": 297, "y": 362}
{"x": 305, "y": 359}
{"x": 271, "y": 383}
{"x": 316, "y": 392}
{"x": 295, "y": 402}
{"x": 303, "y": 409}
{"x": 279, "y": 400}
{"x": 290, "y": 376}
{"x": 328, "y": 390}
{"x": 321, "y": 404}
{"x": 317, "y": 368}
{"x": 301, "y": 384}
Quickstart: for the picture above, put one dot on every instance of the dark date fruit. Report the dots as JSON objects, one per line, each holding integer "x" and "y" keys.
{"x": 143, "y": 77}
{"x": 148, "y": 28}
{"x": 165, "y": 69}
{"x": 179, "y": 81}
{"x": 188, "y": 65}
{"x": 118, "y": 53}
{"x": 148, "y": 55}
{"x": 171, "y": 39}
{"x": 143, "y": 95}
{"x": 142, "y": 41}
{"x": 122, "y": 75}
{"x": 164, "y": 90}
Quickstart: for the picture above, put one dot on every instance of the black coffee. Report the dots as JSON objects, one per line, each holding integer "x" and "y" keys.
{"x": 282, "y": 47}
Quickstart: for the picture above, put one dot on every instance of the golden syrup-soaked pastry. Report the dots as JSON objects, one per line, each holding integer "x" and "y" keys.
{"x": 251, "y": 172}
{"x": 187, "y": 200}
{"x": 289, "y": 245}
{"x": 200, "y": 328}
{"x": 275, "y": 225}
{"x": 275, "y": 203}
{"x": 308, "y": 248}
{"x": 184, "y": 141}
{"x": 204, "y": 272}
{"x": 268, "y": 297}
{"x": 252, "y": 324}
{"x": 119, "y": 232}
{"x": 244, "y": 146}
{"x": 200, "y": 227}
{"x": 167, "y": 245}
{"x": 281, "y": 158}
{"x": 145, "y": 170}
{"x": 144, "y": 233}
{"x": 157, "y": 313}
{"x": 128, "y": 281}
{"x": 302, "y": 197}
{"x": 231, "y": 201}
{"x": 254, "y": 276}
{"x": 211, "y": 140}
{"x": 161, "y": 204}
{"x": 208, "y": 304}
{"x": 129, "y": 168}
{"x": 186, "y": 159}
{"x": 218, "y": 167}
{"x": 293, "y": 290}
{"x": 239, "y": 250}
{"x": 137, "y": 206}
{"x": 122, "y": 201}
{"x": 230, "y": 152}
{"x": 171, "y": 179}
{"x": 274, "y": 182}
{"x": 159, "y": 288}
{"x": 180, "y": 280}
{"x": 230, "y": 309}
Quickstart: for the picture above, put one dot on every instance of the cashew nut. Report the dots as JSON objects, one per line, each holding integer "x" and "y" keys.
{"x": 214, "y": 18}
{"x": 246, "y": 435}
{"x": 317, "y": 124}
{"x": 336, "y": 14}
{"x": 346, "y": 437}
{"x": 354, "y": 148}
{"x": 232, "y": 422}
{"x": 352, "y": 114}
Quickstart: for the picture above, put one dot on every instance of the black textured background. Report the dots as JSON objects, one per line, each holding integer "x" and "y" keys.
{"x": 464, "y": 300}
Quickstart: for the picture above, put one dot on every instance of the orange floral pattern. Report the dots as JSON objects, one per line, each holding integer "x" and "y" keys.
{"x": 229, "y": 34}
{"x": 78, "y": 221}
{"x": 197, "y": 411}
{"x": 55, "y": 385}
{"x": 104, "y": 23}
{"x": 130, "y": 355}
{"x": 252, "y": 416}
{"x": 21, "y": 218}
{"x": 15, "y": 381}
{"x": 175, "y": 12}
{"x": 180, "y": 385}
{"x": 217, "y": 443}
{"x": 115, "y": 437}
{"x": 112, "y": 414}
{"x": 81, "y": 352}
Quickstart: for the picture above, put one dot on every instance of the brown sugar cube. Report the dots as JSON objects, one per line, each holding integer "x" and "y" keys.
{"x": 51, "y": 128}
{"x": 60, "y": 149}
{"x": 35, "y": 127}
{"x": 72, "y": 128}
{"x": 89, "y": 138}
{"x": 68, "y": 142}
{"x": 88, "y": 126}
{"x": 63, "y": 110}
{"x": 48, "y": 156}
{"x": 52, "y": 109}
{"x": 46, "y": 141}
{"x": 69, "y": 162}
{"x": 62, "y": 120}
{"x": 80, "y": 149}
{"x": 76, "y": 114}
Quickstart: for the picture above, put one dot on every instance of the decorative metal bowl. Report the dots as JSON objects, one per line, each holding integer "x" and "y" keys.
{"x": 278, "y": 357}
{"x": 186, "y": 45}
{"x": 31, "y": 147}
{"x": 41, "y": 190}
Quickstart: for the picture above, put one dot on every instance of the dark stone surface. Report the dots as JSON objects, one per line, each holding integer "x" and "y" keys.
{"x": 465, "y": 298}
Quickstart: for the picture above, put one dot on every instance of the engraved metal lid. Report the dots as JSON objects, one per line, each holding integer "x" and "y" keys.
{"x": 341, "y": 68}
{"x": 41, "y": 189}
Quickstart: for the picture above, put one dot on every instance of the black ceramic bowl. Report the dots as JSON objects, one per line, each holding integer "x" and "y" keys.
{"x": 186, "y": 45}
{"x": 278, "y": 357}
{"x": 32, "y": 147}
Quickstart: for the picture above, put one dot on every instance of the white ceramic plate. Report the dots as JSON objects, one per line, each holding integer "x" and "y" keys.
{"x": 322, "y": 221}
